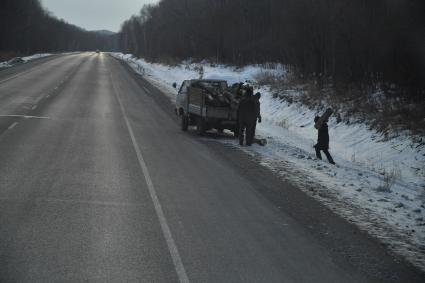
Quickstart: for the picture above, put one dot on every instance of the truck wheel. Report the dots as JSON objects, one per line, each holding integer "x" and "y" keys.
{"x": 184, "y": 120}
{"x": 201, "y": 126}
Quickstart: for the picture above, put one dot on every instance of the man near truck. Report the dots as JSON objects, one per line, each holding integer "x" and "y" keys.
{"x": 247, "y": 116}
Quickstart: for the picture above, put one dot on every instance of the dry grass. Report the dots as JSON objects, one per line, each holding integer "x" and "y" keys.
{"x": 267, "y": 78}
{"x": 385, "y": 109}
{"x": 170, "y": 61}
{"x": 390, "y": 177}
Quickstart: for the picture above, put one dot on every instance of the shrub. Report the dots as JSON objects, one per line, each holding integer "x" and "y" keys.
{"x": 390, "y": 177}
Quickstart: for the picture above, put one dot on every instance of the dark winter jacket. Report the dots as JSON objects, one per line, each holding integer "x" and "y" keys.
{"x": 323, "y": 137}
{"x": 247, "y": 112}
{"x": 257, "y": 108}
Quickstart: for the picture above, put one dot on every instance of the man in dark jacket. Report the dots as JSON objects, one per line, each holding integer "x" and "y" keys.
{"x": 246, "y": 118}
{"x": 323, "y": 141}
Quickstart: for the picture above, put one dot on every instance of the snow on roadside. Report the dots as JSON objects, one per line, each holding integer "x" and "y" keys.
{"x": 36, "y": 56}
{"x": 5, "y": 64}
{"x": 163, "y": 76}
{"x": 378, "y": 184}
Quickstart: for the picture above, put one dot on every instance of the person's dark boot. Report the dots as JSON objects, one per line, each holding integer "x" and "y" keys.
{"x": 329, "y": 157}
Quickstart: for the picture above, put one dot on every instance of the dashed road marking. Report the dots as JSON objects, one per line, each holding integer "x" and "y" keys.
{"x": 23, "y": 73}
{"x": 25, "y": 116}
{"x": 73, "y": 201}
{"x": 8, "y": 79}
{"x": 34, "y": 107}
{"x": 13, "y": 125}
{"x": 16, "y": 76}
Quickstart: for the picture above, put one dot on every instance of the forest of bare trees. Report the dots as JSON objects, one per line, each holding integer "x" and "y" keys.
{"x": 27, "y": 28}
{"x": 367, "y": 41}
{"x": 345, "y": 40}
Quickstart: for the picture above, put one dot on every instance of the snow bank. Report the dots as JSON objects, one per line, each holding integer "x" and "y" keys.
{"x": 36, "y": 56}
{"x": 4, "y": 65}
{"x": 379, "y": 184}
{"x": 26, "y": 59}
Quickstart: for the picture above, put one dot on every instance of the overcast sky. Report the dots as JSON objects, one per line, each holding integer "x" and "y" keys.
{"x": 95, "y": 14}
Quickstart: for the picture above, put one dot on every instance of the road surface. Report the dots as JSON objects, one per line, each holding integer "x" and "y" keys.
{"x": 98, "y": 184}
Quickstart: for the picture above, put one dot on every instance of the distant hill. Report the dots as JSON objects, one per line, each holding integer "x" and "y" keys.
{"x": 104, "y": 32}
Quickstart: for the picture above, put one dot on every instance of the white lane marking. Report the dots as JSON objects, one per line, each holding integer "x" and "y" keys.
{"x": 13, "y": 125}
{"x": 23, "y": 73}
{"x": 16, "y": 76}
{"x": 178, "y": 263}
{"x": 25, "y": 116}
{"x": 47, "y": 96}
{"x": 76, "y": 201}
{"x": 34, "y": 107}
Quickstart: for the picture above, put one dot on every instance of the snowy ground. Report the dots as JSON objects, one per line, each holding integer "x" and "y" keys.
{"x": 378, "y": 184}
{"x": 26, "y": 59}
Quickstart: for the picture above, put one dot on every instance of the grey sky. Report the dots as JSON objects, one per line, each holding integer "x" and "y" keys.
{"x": 95, "y": 14}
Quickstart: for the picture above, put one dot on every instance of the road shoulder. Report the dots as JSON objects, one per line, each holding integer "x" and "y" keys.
{"x": 346, "y": 243}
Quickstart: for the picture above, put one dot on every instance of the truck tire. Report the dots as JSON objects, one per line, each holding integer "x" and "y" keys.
{"x": 200, "y": 126}
{"x": 184, "y": 122}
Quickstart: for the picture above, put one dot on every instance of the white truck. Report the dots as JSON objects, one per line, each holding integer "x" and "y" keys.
{"x": 208, "y": 104}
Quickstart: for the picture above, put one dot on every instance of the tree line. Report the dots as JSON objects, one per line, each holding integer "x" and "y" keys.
{"x": 27, "y": 28}
{"x": 342, "y": 40}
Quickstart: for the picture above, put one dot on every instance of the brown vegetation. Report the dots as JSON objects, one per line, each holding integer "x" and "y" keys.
{"x": 384, "y": 108}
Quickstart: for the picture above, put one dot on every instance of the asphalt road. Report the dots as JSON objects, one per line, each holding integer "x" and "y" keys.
{"x": 98, "y": 184}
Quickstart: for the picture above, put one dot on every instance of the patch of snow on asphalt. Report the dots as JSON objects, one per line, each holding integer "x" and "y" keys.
{"x": 378, "y": 183}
